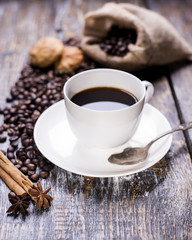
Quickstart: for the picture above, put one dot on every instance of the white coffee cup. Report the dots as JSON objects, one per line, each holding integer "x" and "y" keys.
{"x": 105, "y": 129}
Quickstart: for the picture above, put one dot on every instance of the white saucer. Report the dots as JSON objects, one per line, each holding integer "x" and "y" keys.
{"x": 57, "y": 143}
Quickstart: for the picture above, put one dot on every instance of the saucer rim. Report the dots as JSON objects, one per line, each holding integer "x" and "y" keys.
{"x": 118, "y": 173}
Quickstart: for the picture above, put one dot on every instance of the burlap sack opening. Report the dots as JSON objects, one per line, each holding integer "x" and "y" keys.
{"x": 157, "y": 43}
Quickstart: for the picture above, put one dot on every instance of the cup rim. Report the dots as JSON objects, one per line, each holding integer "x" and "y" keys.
{"x": 102, "y": 111}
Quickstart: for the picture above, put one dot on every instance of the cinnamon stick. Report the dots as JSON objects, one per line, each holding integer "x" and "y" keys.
{"x": 13, "y": 176}
{"x": 15, "y": 187}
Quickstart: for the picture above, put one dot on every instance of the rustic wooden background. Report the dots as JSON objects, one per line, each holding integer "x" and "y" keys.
{"x": 153, "y": 204}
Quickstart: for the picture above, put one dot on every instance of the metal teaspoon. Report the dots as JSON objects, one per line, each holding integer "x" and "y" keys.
{"x": 138, "y": 154}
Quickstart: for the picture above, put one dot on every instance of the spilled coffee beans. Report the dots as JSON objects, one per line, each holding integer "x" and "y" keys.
{"x": 34, "y": 91}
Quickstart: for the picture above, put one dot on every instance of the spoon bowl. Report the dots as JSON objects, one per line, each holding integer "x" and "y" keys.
{"x": 133, "y": 155}
{"x": 136, "y": 155}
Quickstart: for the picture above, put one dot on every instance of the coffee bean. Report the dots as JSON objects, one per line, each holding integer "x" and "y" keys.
{"x": 44, "y": 103}
{"x": 17, "y": 132}
{"x": 27, "y": 161}
{"x": 10, "y": 149}
{"x": 20, "y": 96}
{"x": 36, "y": 113}
{"x": 24, "y": 169}
{"x": 29, "y": 127}
{"x": 37, "y": 152}
{"x": 30, "y": 154}
{"x": 18, "y": 165}
{"x": 13, "y": 126}
{"x": 12, "y": 195}
{"x": 24, "y": 136}
{"x": 5, "y": 111}
{"x": 3, "y": 139}
{"x": 44, "y": 174}
{"x": 38, "y": 101}
{"x": 31, "y": 166}
{"x": 21, "y": 126}
{"x": 22, "y": 119}
{"x": 13, "y": 138}
{"x": 26, "y": 114}
{"x": 10, "y": 132}
{"x": 48, "y": 167}
{"x": 22, "y": 157}
{"x": 13, "y": 110}
{"x": 34, "y": 177}
{"x": 29, "y": 120}
{"x": 30, "y": 173}
{"x": 7, "y": 118}
{"x": 26, "y": 142}
{"x": 29, "y": 148}
{"x": 41, "y": 163}
{"x": 20, "y": 111}
{"x": 32, "y": 106}
{"x": 35, "y": 161}
{"x": 5, "y": 126}
{"x": 1, "y": 129}
{"x": 14, "y": 144}
{"x": 19, "y": 162}
{"x": 13, "y": 161}
{"x": 21, "y": 154}
{"x": 33, "y": 95}
{"x": 13, "y": 120}
{"x": 10, "y": 155}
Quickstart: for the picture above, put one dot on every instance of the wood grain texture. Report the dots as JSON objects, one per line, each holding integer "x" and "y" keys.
{"x": 153, "y": 204}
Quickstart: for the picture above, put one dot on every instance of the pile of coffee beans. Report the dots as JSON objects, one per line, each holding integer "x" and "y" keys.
{"x": 34, "y": 91}
{"x": 117, "y": 40}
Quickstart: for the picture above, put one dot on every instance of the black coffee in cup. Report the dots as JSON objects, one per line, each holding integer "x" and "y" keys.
{"x": 104, "y": 98}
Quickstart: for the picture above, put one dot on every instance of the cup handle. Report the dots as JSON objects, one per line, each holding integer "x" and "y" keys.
{"x": 149, "y": 90}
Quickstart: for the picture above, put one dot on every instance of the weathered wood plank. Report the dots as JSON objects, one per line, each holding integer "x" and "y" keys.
{"x": 177, "y": 184}
{"x": 153, "y": 204}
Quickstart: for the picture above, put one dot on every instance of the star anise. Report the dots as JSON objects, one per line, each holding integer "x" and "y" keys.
{"x": 41, "y": 197}
{"x": 19, "y": 203}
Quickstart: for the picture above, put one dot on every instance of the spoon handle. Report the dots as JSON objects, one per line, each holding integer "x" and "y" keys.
{"x": 181, "y": 127}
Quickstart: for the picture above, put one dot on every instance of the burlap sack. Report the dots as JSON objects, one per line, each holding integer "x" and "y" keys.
{"x": 157, "y": 42}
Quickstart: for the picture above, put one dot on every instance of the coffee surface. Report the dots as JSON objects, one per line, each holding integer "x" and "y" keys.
{"x": 104, "y": 98}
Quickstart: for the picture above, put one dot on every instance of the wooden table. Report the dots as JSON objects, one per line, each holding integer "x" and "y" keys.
{"x": 153, "y": 204}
